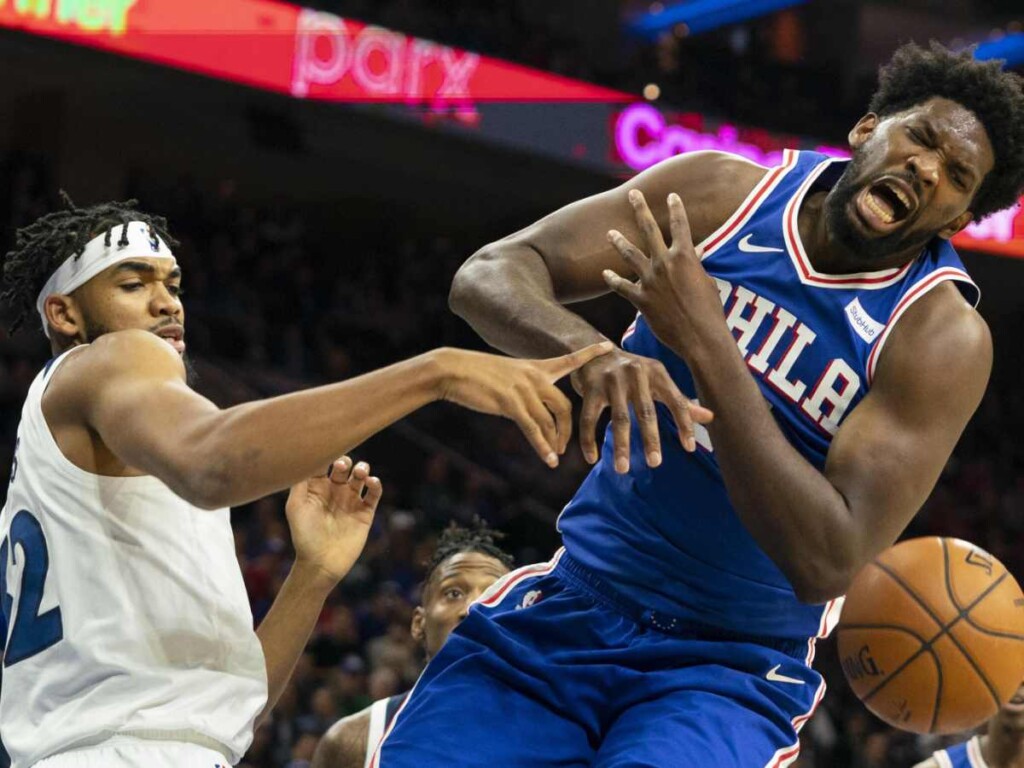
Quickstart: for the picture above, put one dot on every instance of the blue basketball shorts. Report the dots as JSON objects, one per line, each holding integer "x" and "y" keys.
{"x": 550, "y": 668}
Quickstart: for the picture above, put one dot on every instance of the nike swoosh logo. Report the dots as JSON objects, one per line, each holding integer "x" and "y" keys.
{"x": 773, "y": 676}
{"x": 749, "y": 247}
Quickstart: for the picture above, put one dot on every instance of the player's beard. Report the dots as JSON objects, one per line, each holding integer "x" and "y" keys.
{"x": 839, "y": 207}
{"x": 94, "y": 330}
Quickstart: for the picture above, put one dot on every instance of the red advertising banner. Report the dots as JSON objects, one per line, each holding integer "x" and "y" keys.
{"x": 281, "y": 47}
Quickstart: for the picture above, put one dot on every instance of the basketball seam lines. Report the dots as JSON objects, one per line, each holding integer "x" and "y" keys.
{"x": 944, "y": 630}
{"x": 964, "y": 613}
{"x": 925, "y": 644}
{"x": 924, "y": 647}
{"x": 968, "y": 619}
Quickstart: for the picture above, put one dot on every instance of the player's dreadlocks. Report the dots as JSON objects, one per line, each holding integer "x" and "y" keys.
{"x": 916, "y": 74}
{"x": 41, "y": 247}
{"x": 477, "y": 538}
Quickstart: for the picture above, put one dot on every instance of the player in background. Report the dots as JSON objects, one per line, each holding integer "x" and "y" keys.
{"x": 819, "y": 310}
{"x": 465, "y": 563}
{"x": 127, "y": 620}
{"x": 1001, "y": 746}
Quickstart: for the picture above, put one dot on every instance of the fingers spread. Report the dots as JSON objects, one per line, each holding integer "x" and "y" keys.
{"x": 666, "y": 391}
{"x": 627, "y": 289}
{"x": 620, "y": 424}
{"x": 339, "y": 470}
{"x": 700, "y": 414}
{"x": 533, "y": 433}
{"x": 374, "y": 491}
{"x": 679, "y": 224}
{"x": 593, "y": 406}
{"x": 561, "y": 409}
{"x": 633, "y": 256}
{"x": 557, "y": 367}
{"x": 542, "y": 417}
{"x": 645, "y": 220}
{"x": 357, "y": 480}
{"x": 647, "y": 416}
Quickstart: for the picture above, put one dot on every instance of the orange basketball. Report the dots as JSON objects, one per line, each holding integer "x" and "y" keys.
{"x": 931, "y": 637}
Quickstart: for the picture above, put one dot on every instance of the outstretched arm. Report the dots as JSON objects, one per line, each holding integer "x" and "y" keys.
{"x": 513, "y": 292}
{"x": 329, "y": 517}
{"x": 820, "y": 528}
{"x": 130, "y": 389}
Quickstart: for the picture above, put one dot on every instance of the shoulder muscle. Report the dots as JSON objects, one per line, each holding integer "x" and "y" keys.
{"x": 344, "y": 744}
{"x": 573, "y": 243}
{"x": 106, "y": 364}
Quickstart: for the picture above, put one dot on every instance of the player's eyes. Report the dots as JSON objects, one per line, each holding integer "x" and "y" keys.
{"x": 131, "y": 286}
{"x": 454, "y": 594}
{"x": 176, "y": 290}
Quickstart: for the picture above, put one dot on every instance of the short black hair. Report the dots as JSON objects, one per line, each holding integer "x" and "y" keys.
{"x": 41, "y": 247}
{"x": 916, "y": 74}
{"x": 478, "y": 537}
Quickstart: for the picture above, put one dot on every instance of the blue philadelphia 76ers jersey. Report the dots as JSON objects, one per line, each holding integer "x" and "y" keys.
{"x": 668, "y": 538}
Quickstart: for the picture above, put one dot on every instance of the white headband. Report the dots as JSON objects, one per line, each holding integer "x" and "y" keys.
{"x": 75, "y": 272}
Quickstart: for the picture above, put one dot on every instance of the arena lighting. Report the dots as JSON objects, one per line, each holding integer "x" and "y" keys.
{"x": 643, "y": 137}
{"x": 288, "y": 49}
{"x": 703, "y": 15}
{"x": 1009, "y": 47}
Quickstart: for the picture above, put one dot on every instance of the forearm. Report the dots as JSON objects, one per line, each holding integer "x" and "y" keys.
{"x": 289, "y": 623}
{"x": 789, "y": 507}
{"x": 506, "y": 295}
{"x": 259, "y": 448}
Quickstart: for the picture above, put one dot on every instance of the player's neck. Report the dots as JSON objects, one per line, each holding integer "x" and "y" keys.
{"x": 829, "y": 256}
{"x": 1003, "y": 748}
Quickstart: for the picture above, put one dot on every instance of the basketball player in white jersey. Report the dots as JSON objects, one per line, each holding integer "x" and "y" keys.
{"x": 129, "y": 637}
{"x": 1001, "y": 746}
{"x": 466, "y": 562}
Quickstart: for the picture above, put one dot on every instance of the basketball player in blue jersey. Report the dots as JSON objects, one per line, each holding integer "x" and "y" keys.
{"x": 465, "y": 564}
{"x": 129, "y": 637}
{"x": 819, "y": 315}
{"x": 1002, "y": 745}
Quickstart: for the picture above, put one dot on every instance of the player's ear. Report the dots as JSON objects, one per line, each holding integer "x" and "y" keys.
{"x": 63, "y": 317}
{"x": 419, "y": 617}
{"x": 862, "y": 130}
{"x": 956, "y": 225}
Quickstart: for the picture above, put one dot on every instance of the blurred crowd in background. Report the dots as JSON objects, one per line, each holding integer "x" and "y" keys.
{"x": 274, "y": 303}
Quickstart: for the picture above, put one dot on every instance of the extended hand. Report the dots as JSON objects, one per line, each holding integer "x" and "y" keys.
{"x": 330, "y": 517}
{"x": 677, "y": 298}
{"x": 521, "y": 390}
{"x": 620, "y": 380}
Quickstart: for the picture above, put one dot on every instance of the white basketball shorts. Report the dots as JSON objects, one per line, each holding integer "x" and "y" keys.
{"x": 125, "y": 752}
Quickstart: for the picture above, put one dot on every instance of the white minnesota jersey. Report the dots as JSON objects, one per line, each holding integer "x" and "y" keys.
{"x": 124, "y": 609}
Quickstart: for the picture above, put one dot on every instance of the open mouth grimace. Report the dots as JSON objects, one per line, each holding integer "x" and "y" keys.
{"x": 884, "y": 205}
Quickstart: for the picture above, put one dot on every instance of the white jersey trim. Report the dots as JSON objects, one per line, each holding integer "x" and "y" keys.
{"x": 749, "y": 206}
{"x": 807, "y": 274}
{"x": 378, "y": 722}
{"x": 974, "y": 753}
{"x": 786, "y": 756}
{"x": 919, "y": 289}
